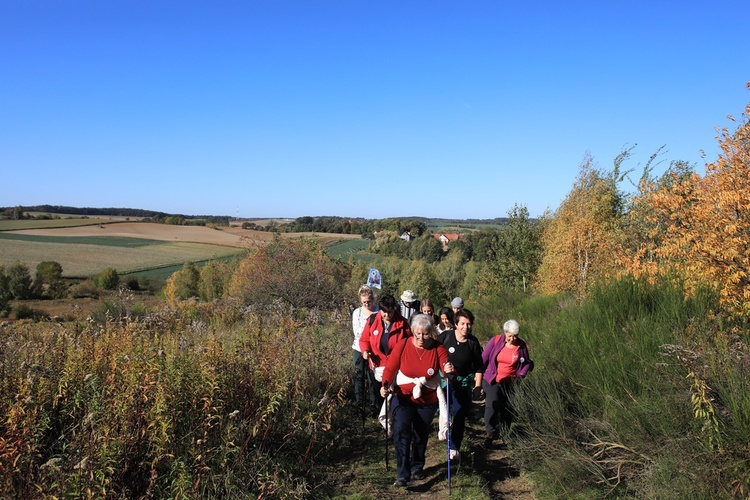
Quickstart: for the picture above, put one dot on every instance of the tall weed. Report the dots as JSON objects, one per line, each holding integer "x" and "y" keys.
{"x": 200, "y": 401}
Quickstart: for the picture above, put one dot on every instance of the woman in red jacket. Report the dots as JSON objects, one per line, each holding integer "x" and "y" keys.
{"x": 412, "y": 373}
{"x": 382, "y": 332}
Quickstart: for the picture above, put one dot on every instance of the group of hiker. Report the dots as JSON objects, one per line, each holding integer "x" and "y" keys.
{"x": 410, "y": 362}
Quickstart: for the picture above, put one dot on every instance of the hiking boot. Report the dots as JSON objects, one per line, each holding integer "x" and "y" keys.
{"x": 418, "y": 475}
{"x": 488, "y": 437}
{"x": 401, "y": 483}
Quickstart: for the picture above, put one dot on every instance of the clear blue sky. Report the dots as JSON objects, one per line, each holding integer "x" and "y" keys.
{"x": 356, "y": 108}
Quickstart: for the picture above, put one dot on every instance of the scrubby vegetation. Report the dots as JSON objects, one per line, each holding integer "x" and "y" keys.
{"x": 198, "y": 401}
{"x": 638, "y": 392}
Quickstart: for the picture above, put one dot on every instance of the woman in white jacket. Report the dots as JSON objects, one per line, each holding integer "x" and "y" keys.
{"x": 363, "y": 378}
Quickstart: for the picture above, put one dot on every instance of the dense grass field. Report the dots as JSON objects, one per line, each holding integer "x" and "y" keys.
{"x": 346, "y": 248}
{"x": 162, "y": 273}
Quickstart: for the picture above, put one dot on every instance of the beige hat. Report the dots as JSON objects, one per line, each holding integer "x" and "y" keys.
{"x": 408, "y": 296}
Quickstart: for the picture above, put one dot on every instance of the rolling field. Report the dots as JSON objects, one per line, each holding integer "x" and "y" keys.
{"x": 128, "y": 247}
{"x": 131, "y": 247}
{"x": 14, "y": 225}
{"x": 80, "y": 260}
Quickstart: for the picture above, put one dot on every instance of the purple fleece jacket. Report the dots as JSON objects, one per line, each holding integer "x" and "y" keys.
{"x": 489, "y": 357}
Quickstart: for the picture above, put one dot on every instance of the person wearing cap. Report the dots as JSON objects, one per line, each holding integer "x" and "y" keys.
{"x": 457, "y": 304}
{"x": 409, "y": 304}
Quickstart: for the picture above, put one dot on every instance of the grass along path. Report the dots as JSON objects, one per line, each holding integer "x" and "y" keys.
{"x": 360, "y": 473}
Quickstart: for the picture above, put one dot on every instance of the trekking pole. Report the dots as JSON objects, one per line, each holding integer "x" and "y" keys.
{"x": 363, "y": 410}
{"x": 386, "y": 431}
{"x": 448, "y": 440}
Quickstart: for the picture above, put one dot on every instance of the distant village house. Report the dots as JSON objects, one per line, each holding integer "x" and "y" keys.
{"x": 447, "y": 238}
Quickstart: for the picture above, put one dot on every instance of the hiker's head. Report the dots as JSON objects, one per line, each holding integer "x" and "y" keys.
{"x": 423, "y": 327}
{"x": 457, "y": 304}
{"x": 426, "y": 307}
{"x": 446, "y": 317}
{"x": 408, "y": 297}
{"x": 366, "y": 297}
{"x": 463, "y": 322}
{"x": 388, "y": 306}
{"x": 511, "y": 329}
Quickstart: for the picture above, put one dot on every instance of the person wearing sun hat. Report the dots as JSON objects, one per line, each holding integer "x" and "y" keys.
{"x": 409, "y": 304}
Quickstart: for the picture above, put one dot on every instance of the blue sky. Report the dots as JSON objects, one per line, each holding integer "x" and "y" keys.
{"x": 354, "y": 108}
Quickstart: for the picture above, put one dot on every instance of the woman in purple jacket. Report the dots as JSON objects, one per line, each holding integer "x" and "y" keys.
{"x": 506, "y": 361}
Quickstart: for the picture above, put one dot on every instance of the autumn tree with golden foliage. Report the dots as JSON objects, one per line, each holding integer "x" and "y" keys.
{"x": 707, "y": 221}
{"x": 658, "y": 204}
{"x": 580, "y": 237}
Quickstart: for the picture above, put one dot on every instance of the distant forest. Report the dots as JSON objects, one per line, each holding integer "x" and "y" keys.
{"x": 308, "y": 223}
{"x": 89, "y": 211}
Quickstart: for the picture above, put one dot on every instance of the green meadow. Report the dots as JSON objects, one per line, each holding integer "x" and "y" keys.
{"x": 82, "y": 257}
{"x": 348, "y": 247}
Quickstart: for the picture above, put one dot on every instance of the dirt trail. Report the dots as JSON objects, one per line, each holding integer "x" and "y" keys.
{"x": 361, "y": 473}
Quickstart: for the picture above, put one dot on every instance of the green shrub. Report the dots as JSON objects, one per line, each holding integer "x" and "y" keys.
{"x": 57, "y": 289}
{"x": 107, "y": 279}
{"x": 18, "y": 281}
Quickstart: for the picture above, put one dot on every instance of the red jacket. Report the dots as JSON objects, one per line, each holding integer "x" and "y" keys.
{"x": 413, "y": 362}
{"x": 370, "y": 339}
